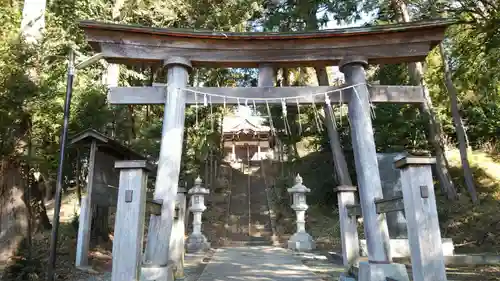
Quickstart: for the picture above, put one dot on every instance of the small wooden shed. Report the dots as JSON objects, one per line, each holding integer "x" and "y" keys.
{"x": 101, "y": 187}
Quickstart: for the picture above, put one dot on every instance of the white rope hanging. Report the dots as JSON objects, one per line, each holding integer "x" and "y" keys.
{"x": 370, "y": 110}
{"x": 285, "y": 117}
{"x": 273, "y": 132}
{"x": 207, "y": 99}
{"x": 196, "y": 111}
{"x": 330, "y": 109}
{"x": 298, "y": 117}
{"x": 317, "y": 120}
{"x": 306, "y": 97}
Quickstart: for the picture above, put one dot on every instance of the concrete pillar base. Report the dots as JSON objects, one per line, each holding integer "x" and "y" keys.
{"x": 400, "y": 248}
{"x": 380, "y": 271}
{"x": 196, "y": 243}
{"x": 301, "y": 241}
{"x": 160, "y": 273}
{"x": 344, "y": 277}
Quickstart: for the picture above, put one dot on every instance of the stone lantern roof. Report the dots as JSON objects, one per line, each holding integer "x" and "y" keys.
{"x": 198, "y": 188}
{"x": 298, "y": 187}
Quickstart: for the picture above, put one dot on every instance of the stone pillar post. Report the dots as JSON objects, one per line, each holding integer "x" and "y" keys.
{"x": 85, "y": 220}
{"x": 424, "y": 235}
{"x": 365, "y": 157}
{"x": 391, "y": 187}
{"x": 197, "y": 241}
{"x": 233, "y": 152}
{"x": 348, "y": 225}
{"x": 266, "y": 75}
{"x": 258, "y": 151}
{"x": 266, "y": 79}
{"x": 169, "y": 164}
{"x": 177, "y": 237}
{"x": 301, "y": 240}
{"x": 129, "y": 222}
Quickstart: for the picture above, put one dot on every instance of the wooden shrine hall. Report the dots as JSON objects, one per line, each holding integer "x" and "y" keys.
{"x": 245, "y": 138}
{"x": 352, "y": 49}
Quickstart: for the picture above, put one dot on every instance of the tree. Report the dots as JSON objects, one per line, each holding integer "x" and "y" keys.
{"x": 459, "y": 126}
{"x": 434, "y": 129}
{"x": 303, "y": 16}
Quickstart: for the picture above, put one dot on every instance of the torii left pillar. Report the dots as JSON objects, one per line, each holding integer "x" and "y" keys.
{"x": 158, "y": 264}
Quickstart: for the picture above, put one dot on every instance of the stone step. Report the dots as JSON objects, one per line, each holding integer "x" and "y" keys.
{"x": 243, "y": 243}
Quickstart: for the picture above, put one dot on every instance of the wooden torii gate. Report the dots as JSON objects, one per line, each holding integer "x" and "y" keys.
{"x": 352, "y": 49}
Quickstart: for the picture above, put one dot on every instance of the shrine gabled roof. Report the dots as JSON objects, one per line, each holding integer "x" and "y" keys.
{"x": 379, "y": 44}
{"x": 247, "y": 125}
{"x": 236, "y": 124}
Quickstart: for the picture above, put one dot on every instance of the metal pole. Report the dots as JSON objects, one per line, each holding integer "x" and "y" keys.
{"x": 62, "y": 147}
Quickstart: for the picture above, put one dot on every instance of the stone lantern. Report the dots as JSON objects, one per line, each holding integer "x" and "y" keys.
{"x": 196, "y": 240}
{"x": 301, "y": 240}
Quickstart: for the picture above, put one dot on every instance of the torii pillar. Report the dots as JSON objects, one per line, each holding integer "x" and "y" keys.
{"x": 379, "y": 264}
{"x": 158, "y": 264}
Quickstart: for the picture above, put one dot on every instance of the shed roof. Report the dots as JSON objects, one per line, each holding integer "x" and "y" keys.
{"x": 105, "y": 144}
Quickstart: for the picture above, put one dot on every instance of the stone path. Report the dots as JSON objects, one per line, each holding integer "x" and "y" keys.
{"x": 256, "y": 263}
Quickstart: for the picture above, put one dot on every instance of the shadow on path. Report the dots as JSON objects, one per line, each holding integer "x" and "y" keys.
{"x": 256, "y": 263}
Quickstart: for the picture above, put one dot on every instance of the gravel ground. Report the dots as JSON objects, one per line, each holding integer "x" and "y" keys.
{"x": 193, "y": 267}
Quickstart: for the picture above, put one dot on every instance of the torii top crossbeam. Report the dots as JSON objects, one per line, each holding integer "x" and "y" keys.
{"x": 394, "y": 43}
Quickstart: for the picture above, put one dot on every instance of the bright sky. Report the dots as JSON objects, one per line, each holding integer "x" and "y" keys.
{"x": 332, "y": 24}
{"x": 364, "y": 19}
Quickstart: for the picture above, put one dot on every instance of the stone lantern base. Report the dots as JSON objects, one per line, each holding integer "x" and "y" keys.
{"x": 196, "y": 243}
{"x": 381, "y": 272}
{"x": 301, "y": 241}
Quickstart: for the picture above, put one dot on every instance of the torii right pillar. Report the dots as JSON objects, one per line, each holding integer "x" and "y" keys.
{"x": 379, "y": 264}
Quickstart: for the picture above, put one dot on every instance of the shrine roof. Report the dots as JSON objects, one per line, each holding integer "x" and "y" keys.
{"x": 392, "y": 43}
{"x": 234, "y": 124}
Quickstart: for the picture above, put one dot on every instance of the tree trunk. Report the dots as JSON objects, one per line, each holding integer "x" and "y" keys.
{"x": 339, "y": 161}
{"x": 131, "y": 114}
{"x": 206, "y": 171}
{"x": 112, "y": 74}
{"x": 417, "y": 76}
{"x": 41, "y": 219}
{"x": 77, "y": 176}
{"x": 286, "y": 82}
{"x": 211, "y": 168}
{"x": 459, "y": 128}
{"x": 13, "y": 210}
{"x": 27, "y": 191}
{"x": 32, "y": 25}
{"x": 33, "y": 21}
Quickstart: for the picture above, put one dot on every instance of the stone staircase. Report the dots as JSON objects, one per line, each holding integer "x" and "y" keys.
{"x": 237, "y": 208}
{"x": 248, "y": 221}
